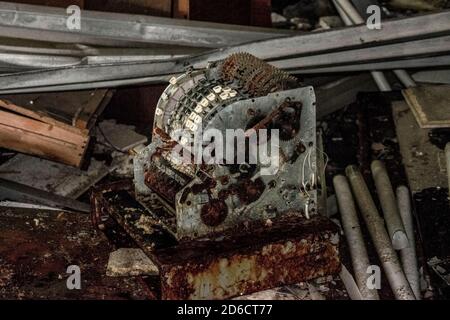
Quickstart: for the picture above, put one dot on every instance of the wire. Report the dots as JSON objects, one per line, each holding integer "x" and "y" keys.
{"x": 109, "y": 143}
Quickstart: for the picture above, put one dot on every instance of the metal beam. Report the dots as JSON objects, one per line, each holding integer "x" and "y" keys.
{"x": 115, "y": 29}
{"x": 339, "y": 39}
{"x": 384, "y": 65}
{"x": 432, "y": 46}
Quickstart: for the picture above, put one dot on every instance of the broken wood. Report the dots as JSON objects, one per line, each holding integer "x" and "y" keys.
{"x": 71, "y": 109}
{"x": 42, "y": 139}
{"x": 430, "y": 105}
{"x": 53, "y": 126}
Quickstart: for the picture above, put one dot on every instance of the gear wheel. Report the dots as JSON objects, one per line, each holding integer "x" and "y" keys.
{"x": 256, "y": 76}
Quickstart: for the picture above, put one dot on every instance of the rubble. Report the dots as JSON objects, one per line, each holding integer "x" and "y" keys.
{"x": 129, "y": 262}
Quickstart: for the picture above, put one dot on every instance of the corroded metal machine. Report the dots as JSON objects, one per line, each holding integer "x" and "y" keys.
{"x": 224, "y": 199}
{"x": 233, "y": 96}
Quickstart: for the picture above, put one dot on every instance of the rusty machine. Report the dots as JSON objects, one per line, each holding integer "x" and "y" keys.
{"x": 247, "y": 217}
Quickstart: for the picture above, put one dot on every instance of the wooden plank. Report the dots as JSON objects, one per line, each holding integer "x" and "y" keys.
{"x": 34, "y": 137}
{"x": 39, "y": 115}
{"x": 181, "y": 9}
{"x": 41, "y": 128}
{"x": 430, "y": 105}
{"x": 64, "y": 109}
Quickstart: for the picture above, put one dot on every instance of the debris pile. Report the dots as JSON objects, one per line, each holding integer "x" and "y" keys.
{"x": 357, "y": 207}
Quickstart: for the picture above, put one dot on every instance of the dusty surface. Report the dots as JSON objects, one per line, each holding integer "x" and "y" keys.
{"x": 423, "y": 161}
{"x": 36, "y": 248}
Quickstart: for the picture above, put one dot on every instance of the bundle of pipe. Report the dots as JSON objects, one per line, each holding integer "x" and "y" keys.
{"x": 352, "y": 230}
{"x": 403, "y": 276}
{"x": 400, "y": 43}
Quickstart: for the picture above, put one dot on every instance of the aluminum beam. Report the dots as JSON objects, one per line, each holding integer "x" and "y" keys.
{"x": 385, "y": 65}
{"x": 116, "y": 29}
{"x": 339, "y": 39}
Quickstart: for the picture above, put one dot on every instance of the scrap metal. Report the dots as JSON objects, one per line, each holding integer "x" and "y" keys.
{"x": 240, "y": 93}
{"x": 122, "y": 30}
{"x": 258, "y": 257}
{"x": 313, "y": 50}
{"x": 219, "y": 230}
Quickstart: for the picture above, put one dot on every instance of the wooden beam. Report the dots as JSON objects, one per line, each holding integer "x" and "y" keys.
{"x": 42, "y": 139}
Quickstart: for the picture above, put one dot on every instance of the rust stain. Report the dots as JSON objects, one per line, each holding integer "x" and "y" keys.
{"x": 241, "y": 267}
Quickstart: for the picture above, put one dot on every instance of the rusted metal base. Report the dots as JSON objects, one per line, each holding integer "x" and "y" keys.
{"x": 253, "y": 258}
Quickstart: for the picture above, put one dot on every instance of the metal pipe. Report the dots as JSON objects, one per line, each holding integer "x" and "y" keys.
{"x": 386, "y": 195}
{"x": 381, "y": 81}
{"x": 350, "y": 284}
{"x": 347, "y": 7}
{"x": 405, "y": 78}
{"x": 408, "y": 255}
{"x": 380, "y": 238}
{"x": 350, "y": 16}
{"x": 345, "y": 18}
{"x": 355, "y": 241}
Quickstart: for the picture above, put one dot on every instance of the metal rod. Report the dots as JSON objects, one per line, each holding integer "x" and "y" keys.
{"x": 345, "y": 18}
{"x": 350, "y": 284}
{"x": 381, "y": 81}
{"x": 434, "y": 61}
{"x": 353, "y": 234}
{"x": 405, "y": 78}
{"x": 388, "y": 202}
{"x": 82, "y": 74}
{"x": 11, "y": 190}
{"x": 350, "y": 16}
{"x": 380, "y": 238}
{"x": 126, "y": 70}
{"x": 408, "y": 255}
{"x": 347, "y": 7}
